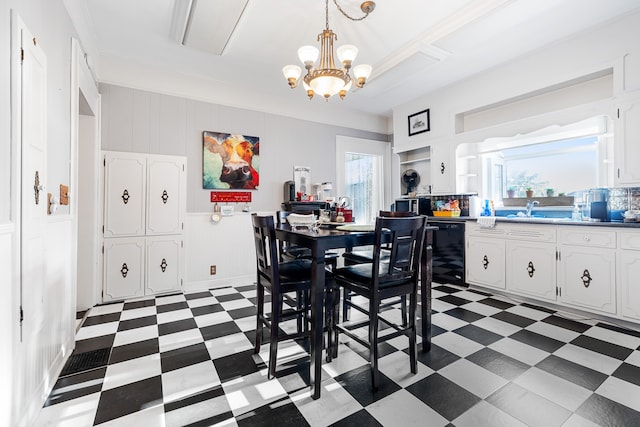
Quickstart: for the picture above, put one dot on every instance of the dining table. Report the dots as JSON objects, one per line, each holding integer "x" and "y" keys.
{"x": 323, "y": 238}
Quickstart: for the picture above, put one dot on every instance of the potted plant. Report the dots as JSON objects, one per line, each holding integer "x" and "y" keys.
{"x": 529, "y": 192}
{"x": 549, "y": 192}
{"x": 511, "y": 191}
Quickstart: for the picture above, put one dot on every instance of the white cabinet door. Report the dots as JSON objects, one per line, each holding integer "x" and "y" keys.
{"x": 531, "y": 269}
{"x": 443, "y": 169}
{"x": 164, "y": 269}
{"x": 629, "y": 283}
{"x": 123, "y": 268}
{"x": 485, "y": 262}
{"x": 587, "y": 277}
{"x": 125, "y": 194}
{"x": 627, "y": 135}
{"x": 165, "y": 194}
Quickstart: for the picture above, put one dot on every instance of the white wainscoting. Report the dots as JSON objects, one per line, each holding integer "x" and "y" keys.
{"x": 227, "y": 244}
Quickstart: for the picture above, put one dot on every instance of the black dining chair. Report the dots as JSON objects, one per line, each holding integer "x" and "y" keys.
{"x": 364, "y": 256}
{"x": 281, "y": 280}
{"x": 382, "y": 279}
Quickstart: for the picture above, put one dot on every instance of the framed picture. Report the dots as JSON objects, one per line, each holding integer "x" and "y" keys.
{"x": 419, "y": 122}
{"x": 230, "y": 162}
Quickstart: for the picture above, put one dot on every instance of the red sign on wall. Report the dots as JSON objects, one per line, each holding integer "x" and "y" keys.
{"x": 230, "y": 196}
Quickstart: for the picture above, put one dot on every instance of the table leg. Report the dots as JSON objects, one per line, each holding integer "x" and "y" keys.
{"x": 317, "y": 320}
{"x": 425, "y": 289}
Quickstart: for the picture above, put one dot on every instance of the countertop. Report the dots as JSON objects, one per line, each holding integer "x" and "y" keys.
{"x": 551, "y": 221}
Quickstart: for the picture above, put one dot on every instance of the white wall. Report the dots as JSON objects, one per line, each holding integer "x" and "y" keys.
{"x": 146, "y": 122}
{"x": 611, "y": 46}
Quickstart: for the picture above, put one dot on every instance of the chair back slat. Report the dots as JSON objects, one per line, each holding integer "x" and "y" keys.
{"x": 266, "y": 245}
{"x": 403, "y": 238}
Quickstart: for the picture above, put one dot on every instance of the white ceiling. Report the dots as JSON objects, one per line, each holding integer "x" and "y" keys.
{"x": 414, "y": 46}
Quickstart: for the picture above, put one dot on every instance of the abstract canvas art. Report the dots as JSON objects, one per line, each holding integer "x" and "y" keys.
{"x": 230, "y": 161}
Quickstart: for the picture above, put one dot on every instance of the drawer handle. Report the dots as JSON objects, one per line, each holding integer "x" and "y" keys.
{"x": 125, "y": 196}
{"x": 163, "y": 265}
{"x": 165, "y": 197}
{"x": 485, "y": 262}
{"x": 586, "y": 278}
{"x": 124, "y": 270}
{"x": 530, "y": 269}
{"x": 442, "y": 168}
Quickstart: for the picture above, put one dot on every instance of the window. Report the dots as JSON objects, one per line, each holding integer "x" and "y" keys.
{"x": 561, "y": 161}
{"x": 362, "y": 171}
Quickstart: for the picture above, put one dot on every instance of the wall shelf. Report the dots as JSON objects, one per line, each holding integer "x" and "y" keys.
{"x": 421, "y": 159}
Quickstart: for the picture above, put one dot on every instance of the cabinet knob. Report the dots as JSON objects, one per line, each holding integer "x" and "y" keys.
{"x": 587, "y": 238}
{"x": 165, "y": 197}
{"x": 163, "y": 265}
{"x": 530, "y": 269}
{"x": 586, "y": 278}
{"x": 442, "y": 168}
{"x": 124, "y": 270}
{"x": 485, "y": 262}
{"x": 125, "y": 196}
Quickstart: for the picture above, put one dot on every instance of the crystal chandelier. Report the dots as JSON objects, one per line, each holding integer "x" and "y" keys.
{"x": 326, "y": 79}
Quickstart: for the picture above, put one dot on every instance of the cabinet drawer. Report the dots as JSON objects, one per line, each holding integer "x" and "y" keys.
{"x": 538, "y": 233}
{"x": 629, "y": 240}
{"x": 475, "y": 229}
{"x": 587, "y": 237}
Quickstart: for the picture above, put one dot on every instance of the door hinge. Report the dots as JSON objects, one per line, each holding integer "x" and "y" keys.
{"x": 21, "y": 55}
{"x": 103, "y": 249}
{"x": 618, "y": 113}
{"x": 104, "y": 162}
{"x": 183, "y": 225}
{"x": 21, "y": 315}
{"x": 618, "y": 172}
{"x": 103, "y": 229}
{"x": 182, "y": 243}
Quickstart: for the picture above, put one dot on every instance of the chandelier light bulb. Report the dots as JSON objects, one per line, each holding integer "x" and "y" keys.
{"x": 292, "y": 74}
{"x": 347, "y": 54}
{"x": 309, "y": 90}
{"x": 362, "y": 73}
{"x": 345, "y": 89}
{"x": 308, "y": 55}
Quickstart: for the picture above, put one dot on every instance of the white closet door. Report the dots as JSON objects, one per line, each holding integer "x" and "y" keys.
{"x": 123, "y": 268}
{"x": 163, "y": 264}
{"x": 165, "y": 194}
{"x": 125, "y": 194}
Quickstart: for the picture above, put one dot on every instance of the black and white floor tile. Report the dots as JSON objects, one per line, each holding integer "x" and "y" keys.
{"x": 187, "y": 360}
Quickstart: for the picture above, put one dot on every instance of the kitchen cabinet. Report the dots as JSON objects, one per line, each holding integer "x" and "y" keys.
{"x": 443, "y": 169}
{"x": 627, "y": 149}
{"x": 531, "y": 269}
{"x": 485, "y": 256}
{"x": 144, "y": 209}
{"x": 628, "y": 266}
{"x": 587, "y": 276}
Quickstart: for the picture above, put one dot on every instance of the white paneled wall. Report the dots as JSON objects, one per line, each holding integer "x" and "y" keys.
{"x": 227, "y": 244}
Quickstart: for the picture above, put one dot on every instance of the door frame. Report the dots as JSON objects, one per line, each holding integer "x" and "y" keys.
{"x": 83, "y": 84}
{"x": 348, "y": 144}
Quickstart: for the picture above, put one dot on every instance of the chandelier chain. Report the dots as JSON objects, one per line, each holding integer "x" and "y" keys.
{"x": 345, "y": 13}
{"x": 326, "y": 13}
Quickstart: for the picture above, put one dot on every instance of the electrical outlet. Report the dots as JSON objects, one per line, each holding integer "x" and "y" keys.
{"x": 212, "y": 270}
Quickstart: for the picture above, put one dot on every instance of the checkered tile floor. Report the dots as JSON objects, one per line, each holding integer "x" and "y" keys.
{"x": 187, "y": 360}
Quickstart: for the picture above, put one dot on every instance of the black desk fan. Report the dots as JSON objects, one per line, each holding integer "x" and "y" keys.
{"x": 411, "y": 179}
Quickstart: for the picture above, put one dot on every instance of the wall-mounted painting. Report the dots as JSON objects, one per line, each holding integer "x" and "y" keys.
{"x": 230, "y": 161}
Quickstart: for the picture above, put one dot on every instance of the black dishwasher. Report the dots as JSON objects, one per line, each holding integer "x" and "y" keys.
{"x": 448, "y": 252}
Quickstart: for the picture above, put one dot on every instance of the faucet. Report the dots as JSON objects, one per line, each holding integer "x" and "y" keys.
{"x": 530, "y": 205}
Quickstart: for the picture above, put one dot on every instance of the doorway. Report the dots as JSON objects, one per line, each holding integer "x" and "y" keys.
{"x": 363, "y": 171}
